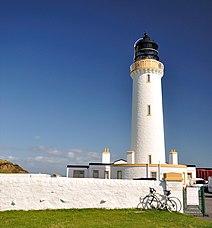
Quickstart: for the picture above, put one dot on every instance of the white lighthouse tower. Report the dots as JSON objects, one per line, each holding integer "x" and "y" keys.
{"x": 146, "y": 157}
{"x": 147, "y": 134}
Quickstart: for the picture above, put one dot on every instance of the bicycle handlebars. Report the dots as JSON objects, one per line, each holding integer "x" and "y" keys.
{"x": 167, "y": 192}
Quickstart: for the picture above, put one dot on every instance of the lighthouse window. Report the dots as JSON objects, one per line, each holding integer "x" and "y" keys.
{"x": 148, "y": 110}
{"x": 148, "y": 78}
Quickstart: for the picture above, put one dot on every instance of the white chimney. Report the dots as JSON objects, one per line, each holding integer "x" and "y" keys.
{"x": 173, "y": 157}
{"x": 130, "y": 157}
{"x": 106, "y": 155}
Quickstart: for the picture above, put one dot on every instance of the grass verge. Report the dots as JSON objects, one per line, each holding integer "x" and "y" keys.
{"x": 98, "y": 218}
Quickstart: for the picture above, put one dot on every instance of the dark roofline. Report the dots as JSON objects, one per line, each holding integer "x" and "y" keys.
{"x": 205, "y": 168}
{"x": 143, "y": 178}
{"x": 78, "y": 166}
{"x": 99, "y": 163}
{"x": 120, "y": 160}
{"x": 191, "y": 165}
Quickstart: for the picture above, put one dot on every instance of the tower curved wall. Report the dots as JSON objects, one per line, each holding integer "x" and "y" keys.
{"x": 147, "y": 134}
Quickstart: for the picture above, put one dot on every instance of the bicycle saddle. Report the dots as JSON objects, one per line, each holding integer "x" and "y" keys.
{"x": 167, "y": 192}
{"x": 152, "y": 190}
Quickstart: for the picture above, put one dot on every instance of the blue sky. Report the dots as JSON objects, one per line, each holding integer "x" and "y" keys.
{"x": 65, "y": 89}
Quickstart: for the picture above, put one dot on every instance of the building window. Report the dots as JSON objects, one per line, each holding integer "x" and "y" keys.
{"x": 106, "y": 174}
{"x": 148, "y": 78}
{"x": 148, "y": 110}
{"x": 78, "y": 173}
{"x": 154, "y": 175}
{"x": 95, "y": 173}
{"x": 189, "y": 176}
{"x": 119, "y": 174}
{"x": 150, "y": 159}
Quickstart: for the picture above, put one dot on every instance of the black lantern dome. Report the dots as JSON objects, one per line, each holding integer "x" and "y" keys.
{"x": 145, "y": 48}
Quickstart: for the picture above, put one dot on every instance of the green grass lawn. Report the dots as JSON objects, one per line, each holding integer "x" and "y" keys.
{"x": 98, "y": 218}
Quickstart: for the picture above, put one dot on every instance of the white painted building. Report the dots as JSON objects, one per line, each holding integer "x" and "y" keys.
{"x": 93, "y": 170}
{"x": 146, "y": 157}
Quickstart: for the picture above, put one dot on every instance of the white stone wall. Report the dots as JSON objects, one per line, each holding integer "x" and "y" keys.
{"x": 31, "y": 192}
{"x": 176, "y": 190}
{"x": 147, "y": 136}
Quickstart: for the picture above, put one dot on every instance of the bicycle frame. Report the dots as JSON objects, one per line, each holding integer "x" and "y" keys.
{"x": 158, "y": 201}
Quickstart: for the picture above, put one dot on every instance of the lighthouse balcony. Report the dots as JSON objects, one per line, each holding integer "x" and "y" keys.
{"x": 147, "y": 64}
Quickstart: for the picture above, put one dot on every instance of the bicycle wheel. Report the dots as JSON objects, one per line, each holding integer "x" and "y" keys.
{"x": 140, "y": 206}
{"x": 171, "y": 205}
{"x": 150, "y": 202}
{"x": 178, "y": 203}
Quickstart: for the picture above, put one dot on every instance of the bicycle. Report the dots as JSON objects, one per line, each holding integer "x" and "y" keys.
{"x": 153, "y": 201}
